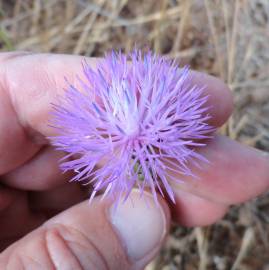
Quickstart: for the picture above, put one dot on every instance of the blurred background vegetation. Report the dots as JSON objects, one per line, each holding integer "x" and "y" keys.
{"x": 226, "y": 38}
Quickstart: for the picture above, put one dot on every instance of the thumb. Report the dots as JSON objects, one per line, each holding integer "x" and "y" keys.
{"x": 94, "y": 236}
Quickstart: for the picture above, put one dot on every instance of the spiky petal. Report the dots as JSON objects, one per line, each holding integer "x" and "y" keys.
{"x": 135, "y": 120}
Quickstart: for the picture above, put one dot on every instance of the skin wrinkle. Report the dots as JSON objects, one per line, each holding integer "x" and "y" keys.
{"x": 30, "y": 133}
{"x": 33, "y": 95}
{"x": 46, "y": 249}
{"x": 15, "y": 259}
{"x": 17, "y": 251}
{"x": 92, "y": 246}
{"x": 17, "y": 126}
{"x": 26, "y": 258}
{"x": 5, "y": 82}
{"x": 20, "y": 259}
{"x": 119, "y": 259}
{"x": 48, "y": 80}
{"x": 57, "y": 236}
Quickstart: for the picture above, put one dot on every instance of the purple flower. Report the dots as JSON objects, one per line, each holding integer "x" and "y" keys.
{"x": 135, "y": 120}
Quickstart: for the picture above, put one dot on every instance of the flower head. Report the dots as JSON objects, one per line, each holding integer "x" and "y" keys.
{"x": 135, "y": 120}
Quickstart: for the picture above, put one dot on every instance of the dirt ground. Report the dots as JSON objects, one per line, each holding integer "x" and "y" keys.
{"x": 226, "y": 38}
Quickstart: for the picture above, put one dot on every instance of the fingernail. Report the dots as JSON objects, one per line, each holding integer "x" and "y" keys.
{"x": 140, "y": 225}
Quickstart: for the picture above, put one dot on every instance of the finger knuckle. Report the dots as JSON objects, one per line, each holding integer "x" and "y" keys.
{"x": 70, "y": 249}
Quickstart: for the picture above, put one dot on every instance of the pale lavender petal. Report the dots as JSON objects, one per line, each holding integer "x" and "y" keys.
{"x": 135, "y": 120}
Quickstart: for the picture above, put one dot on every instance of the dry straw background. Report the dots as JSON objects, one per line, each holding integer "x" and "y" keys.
{"x": 226, "y": 38}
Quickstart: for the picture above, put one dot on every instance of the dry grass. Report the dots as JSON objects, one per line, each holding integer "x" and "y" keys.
{"x": 227, "y": 38}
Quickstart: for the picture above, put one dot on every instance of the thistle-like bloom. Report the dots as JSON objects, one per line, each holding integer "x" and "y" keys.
{"x": 135, "y": 120}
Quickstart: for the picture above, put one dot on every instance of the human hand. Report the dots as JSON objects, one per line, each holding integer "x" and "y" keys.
{"x": 92, "y": 237}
